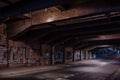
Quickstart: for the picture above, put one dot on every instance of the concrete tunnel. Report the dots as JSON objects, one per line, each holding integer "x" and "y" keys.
{"x": 59, "y": 40}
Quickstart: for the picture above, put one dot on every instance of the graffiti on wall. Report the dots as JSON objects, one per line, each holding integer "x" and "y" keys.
{"x": 21, "y": 55}
{"x": 17, "y": 55}
{"x": 3, "y": 57}
{"x": 29, "y": 56}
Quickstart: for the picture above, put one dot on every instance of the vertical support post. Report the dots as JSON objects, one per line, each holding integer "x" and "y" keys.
{"x": 40, "y": 51}
{"x": 90, "y": 55}
{"x": 80, "y": 54}
{"x": 7, "y": 46}
{"x": 87, "y": 55}
{"x": 52, "y": 54}
{"x": 7, "y": 53}
{"x": 84, "y": 54}
{"x": 64, "y": 55}
{"x": 73, "y": 55}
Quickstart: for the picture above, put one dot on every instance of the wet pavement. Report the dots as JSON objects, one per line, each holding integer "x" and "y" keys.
{"x": 99, "y": 69}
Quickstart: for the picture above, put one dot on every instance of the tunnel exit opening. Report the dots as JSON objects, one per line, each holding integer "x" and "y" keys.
{"x": 106, "y": 52}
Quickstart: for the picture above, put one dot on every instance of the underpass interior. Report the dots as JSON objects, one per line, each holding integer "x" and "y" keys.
{"x": 59, "y": 40}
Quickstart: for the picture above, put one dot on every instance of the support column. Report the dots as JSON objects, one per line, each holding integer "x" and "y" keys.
{"x": 7, "y": 47}
{"x": 40, "y": 51}
{"x": 64, "y": 55}
{"x": 52, "y": 54}
{"x": 86, "y": 55}
{"x": 73, "y": 59}
{"x": 82, "y": 55}
{"x": 8, "y": 53}
{"x": 90, "y": 55}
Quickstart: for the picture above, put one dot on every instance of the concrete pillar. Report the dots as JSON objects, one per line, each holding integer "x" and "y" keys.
{"x": 82, "y": 55}
{"x": 73, "y": 59}
{"x": 78, "y": 54}
{"x": 52, "y": 54}
{"x": 90, "y": 55}
{"x": 64, "y": 55}
{"x": 87, "y": 55}
{"x": 8, "y": 53}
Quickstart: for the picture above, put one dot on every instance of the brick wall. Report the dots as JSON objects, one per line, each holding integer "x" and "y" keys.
{"x": 20, "y": 53}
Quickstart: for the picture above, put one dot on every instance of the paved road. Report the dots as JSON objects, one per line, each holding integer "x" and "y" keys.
{"x": 83, "y": 70}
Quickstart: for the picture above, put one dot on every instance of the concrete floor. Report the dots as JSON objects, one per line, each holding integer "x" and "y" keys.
{"x": 82, "y": 70}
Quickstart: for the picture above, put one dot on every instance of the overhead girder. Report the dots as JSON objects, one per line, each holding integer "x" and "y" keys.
{"x": 90, "y": 31}
{"x": 79, "y": 25}
{"x": 100, "y": 42}
{"x": 58, "y": 41}
{"x": 80, "y": 40}
{"x": 103, "y": 46}
{"x": 88, "y": 9}
{"x": 90, "y": 48}
{"x": 27, "y": 6}
{"x": 79, "y": 28}
{"x": 82, "y": 32}
{"x": 88, "y": 41}
{"x": 112, "y": 31}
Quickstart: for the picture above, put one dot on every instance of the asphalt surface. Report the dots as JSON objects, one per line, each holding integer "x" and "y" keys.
{"x": 99, "y": 69}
